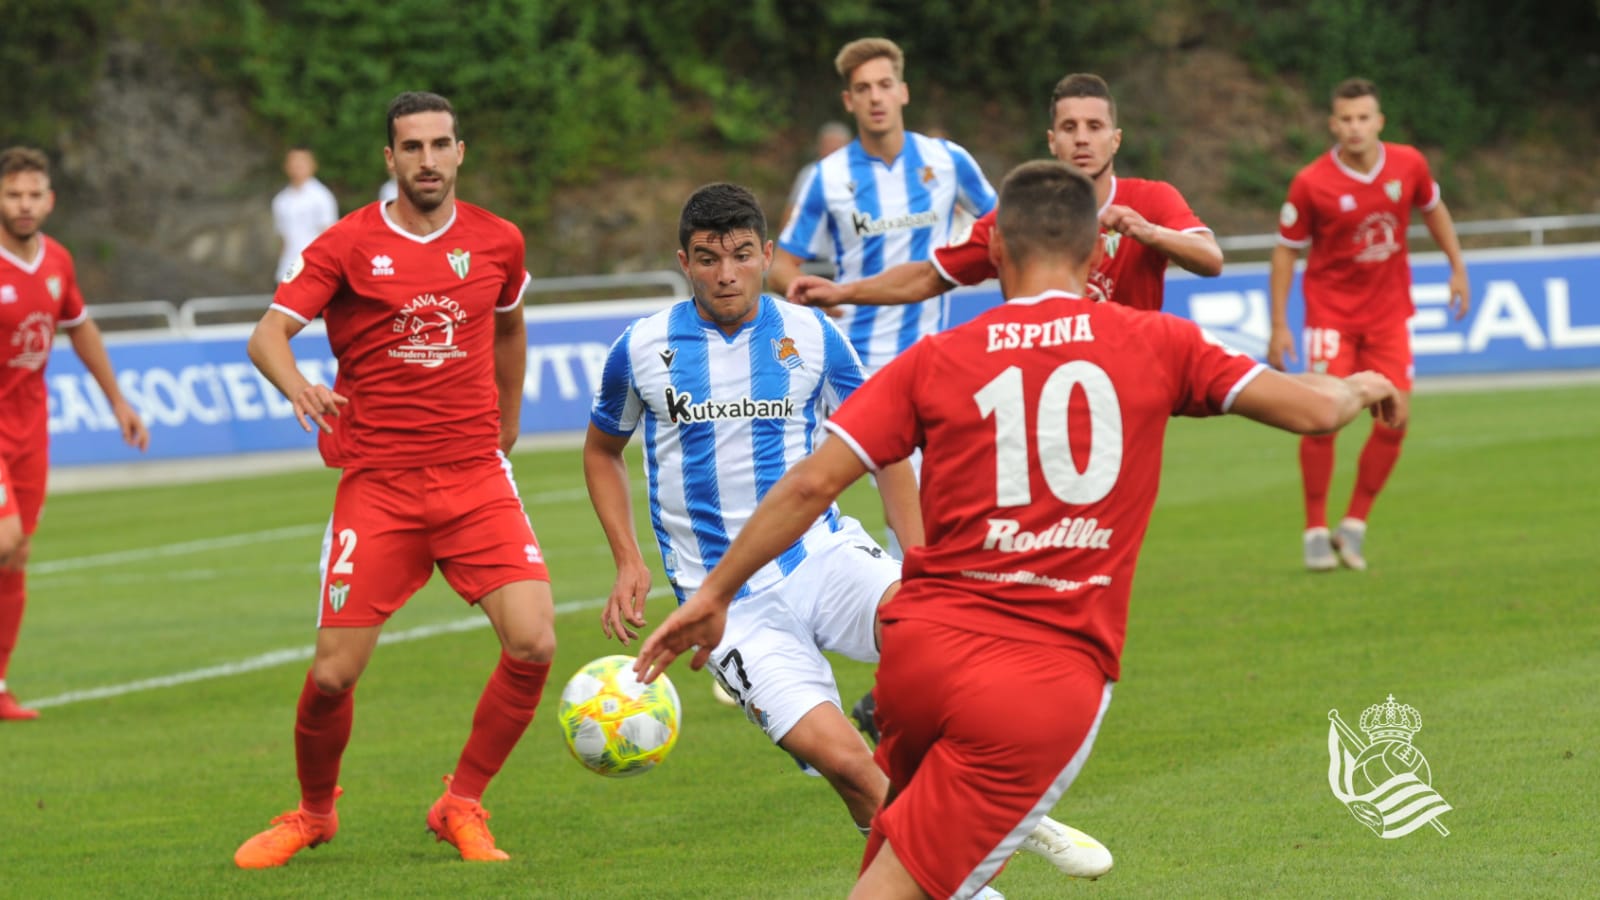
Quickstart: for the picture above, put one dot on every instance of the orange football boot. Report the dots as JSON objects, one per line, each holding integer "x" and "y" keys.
{"x": 465, "y": 824}
{"x": 290, "y": 833}
{"x": 12, "y": 711}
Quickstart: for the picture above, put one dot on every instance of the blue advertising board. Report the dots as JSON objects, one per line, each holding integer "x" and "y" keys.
{"x": 1532, "y": 309}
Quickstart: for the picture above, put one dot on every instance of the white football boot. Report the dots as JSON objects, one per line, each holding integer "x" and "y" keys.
{"x": 1347, "y": 542}
{"x": 1068, "y": 849}
{"x": 1319, "y": 551}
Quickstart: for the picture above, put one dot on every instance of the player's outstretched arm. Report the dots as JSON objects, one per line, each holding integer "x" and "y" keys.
{"x": 792, "y": 505}
{"x": 1309, "y": 403}
{"x": 269, "y": 350}
{"x": 1443, "y": 230}
{"x": 91, "y": 351}
{"x": 1196, "y": 251}
{"x": 905, "y": 283}
{"x": 605, "y": 471}
{"x": 1280, "y": 346}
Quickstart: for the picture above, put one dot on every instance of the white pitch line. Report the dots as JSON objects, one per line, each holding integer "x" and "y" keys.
{"x": 291, "y": 655}
{"x": 182, "y": 548}
{"x": 203, "y": 545}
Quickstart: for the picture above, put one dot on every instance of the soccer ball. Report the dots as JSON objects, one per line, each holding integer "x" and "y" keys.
{"x": 613, "y": 724}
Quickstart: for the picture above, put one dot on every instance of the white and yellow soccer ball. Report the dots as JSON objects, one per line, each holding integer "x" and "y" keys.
{"x": 613, "y": 724}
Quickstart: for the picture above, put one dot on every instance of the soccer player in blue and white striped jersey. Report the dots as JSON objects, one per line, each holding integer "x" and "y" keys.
{"x": 886, "y": 198}
{"x": 731, "y": 387}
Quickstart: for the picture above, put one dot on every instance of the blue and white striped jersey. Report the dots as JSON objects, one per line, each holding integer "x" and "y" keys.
{"x": 866, "y": 215}
{"x": 724, "y": 419}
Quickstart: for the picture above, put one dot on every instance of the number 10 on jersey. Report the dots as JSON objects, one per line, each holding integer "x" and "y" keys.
{"x": 1003, "y": 399}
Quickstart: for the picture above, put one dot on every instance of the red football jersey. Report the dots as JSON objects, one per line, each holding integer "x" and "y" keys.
{"x": 35, "y": 298}
{"x": 1128, "y": 272}
{"x": 1041, "y": 424}
{"x": 411, "y": 323}
{"x": 1357, "y": 273}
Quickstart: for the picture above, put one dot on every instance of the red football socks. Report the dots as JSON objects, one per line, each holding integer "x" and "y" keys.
{"x": 1316, "y": 472}
{"x": 12, "y": 598}
{"x": 503, "y": 714}
{"x": 321, "y": 731}
{"x": 1378, "y": 457}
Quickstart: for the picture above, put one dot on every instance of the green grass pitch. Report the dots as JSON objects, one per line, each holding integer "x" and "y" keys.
{"x": 1209, "y": 778}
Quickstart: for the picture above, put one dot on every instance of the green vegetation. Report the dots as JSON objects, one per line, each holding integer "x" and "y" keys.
{"x": 559, "y": 92}
{"x": 42, "y": 94}
{"x": 1457, "y": 75}
{"x": 1209, "y": 777}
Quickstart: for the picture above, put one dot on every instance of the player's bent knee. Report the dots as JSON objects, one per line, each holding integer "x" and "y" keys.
{"x": 846, "y": 764}
{"x": 534, "y": 647}
{"x": 333, "y": 679}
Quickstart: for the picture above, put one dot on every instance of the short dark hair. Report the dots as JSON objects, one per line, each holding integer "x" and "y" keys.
{"x": 1048, "y": 207}
{"x": 1081, "y": 84}
{"x": 412, "y": 102}
{"x": 23, "y": 159}
{"x": 1351, "y": 88}
{"x": 721, "y": 208}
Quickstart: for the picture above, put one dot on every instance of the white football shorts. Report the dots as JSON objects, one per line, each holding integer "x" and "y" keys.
{"x": 770, "y": 658}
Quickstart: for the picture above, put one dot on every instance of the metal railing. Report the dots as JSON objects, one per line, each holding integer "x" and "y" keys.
{"x": 1535, "y": 227}
{"x": 210, "y": 312}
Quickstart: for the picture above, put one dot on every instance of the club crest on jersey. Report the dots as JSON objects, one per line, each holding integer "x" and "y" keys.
{"x": 338, "y": 593}
{"x": 927, "y": 175}
{"x": 1392, "y": 189}
{"x": 8, "y": 293}
{"x": 53, "y": 285}
{"x": 784, "y": 352}
{"x": 1346, "y": 203}
{"x": 1109, "y": 240}
{"x": 460, "y": 261}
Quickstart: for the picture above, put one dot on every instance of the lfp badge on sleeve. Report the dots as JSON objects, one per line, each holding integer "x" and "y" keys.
{"x": 1381, "y": 778}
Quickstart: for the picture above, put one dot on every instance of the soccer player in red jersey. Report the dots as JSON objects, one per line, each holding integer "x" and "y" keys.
{"x": 1352, "y": 207}
{"x": 1143, "y": 223}
{"x": 423, "y": 303}
{"x": 38, "y": 293}
{"x": 1041, "y": 424}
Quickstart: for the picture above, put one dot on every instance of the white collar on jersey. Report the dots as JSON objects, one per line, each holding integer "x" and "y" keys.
{"x": 1363, "y": 177}
{"x": 28, "y": 267}
{"x": 383, "y": 209}
{"x": 1110, "y": 197}
{"x": 1047, "y": 295}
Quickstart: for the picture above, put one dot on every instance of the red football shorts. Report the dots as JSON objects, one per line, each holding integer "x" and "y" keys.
{"x": 22, "y": 483}
{"x": 981, "y": 736}
{"x": 391, "y": 526}
{"x": 1385, "y": 349}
